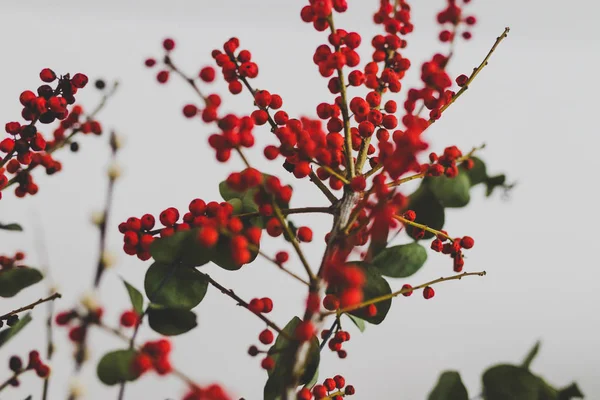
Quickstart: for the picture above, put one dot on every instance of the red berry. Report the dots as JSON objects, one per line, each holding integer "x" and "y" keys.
{"x": 208, "y": 236}
{"x": 266, "y": 337}
{"x": 168, "y": 44}
{"x": 79, "y": 80}
{"x": 461, "y": 80}
{"x": 129, "y": 319}
{"x": 340, "y": 382}
{"x": 47, "y": 75}
{"x": 256, "y": 306}
{"x": 304, "y": 393}
{"x": 305, "y": 234}
{"x": 304, "y": 331}
{"x": 329, "y": 384}
{"x": 267, "y": 305}
{"x": 207, "y": 74}
{"x": 162, "y": 76}
{"x": 267, "y": 363}
{"x": 467, "y": 242}
{"x": 331, "y": 302}
{"x": 42, "y": 370}
{"x": 190, "y": 111}
{"x": 349, "y": 390}
{"x": 408, "y": 290}
{"x": 319, "y": 391}
{"x": 428, "y": 292}
{"x": 141, "y": 363}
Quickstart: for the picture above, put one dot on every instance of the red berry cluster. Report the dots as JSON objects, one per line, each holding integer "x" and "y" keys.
{"x": 15, "y": 364}
{"x": 453, "y": 248}
{"x": 318, "y": 11}
{"x": 212, "y": 219}
{"x": 445, "y": 164}
{"x": 453, "y": 15}
{"x": 235, "y": 68}
{"x": 394, "y": 21}
{"x": 26, "y": 147}
{"x": 7, "y": 262}
{"x": 331, "y": 387}
{"x": 153, "y": 355}
{"x": 80, "y": 320}
{"x": 337, "y": 340}
{"x": 264, "y": 305}
{"x": 347, "y": 280}
{"x": 211, "y": 392}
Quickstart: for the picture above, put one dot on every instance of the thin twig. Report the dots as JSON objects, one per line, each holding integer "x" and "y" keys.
{"x": 31, "y": 306}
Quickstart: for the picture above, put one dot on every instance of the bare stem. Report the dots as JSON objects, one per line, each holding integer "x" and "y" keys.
{"x": 401, "y": 291}
{"x": 31, "y": 306}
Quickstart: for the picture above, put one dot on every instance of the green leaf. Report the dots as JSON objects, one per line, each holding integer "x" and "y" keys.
{"x": 477, "y": 174}
{"x": 492, "y": 182}
{"x": 168, "y": 250}
{"x": 400, "y": 261}
{"x": 175, "y": 286}
{"x": 283, "y": 353}
{"x": 115, "y": 367}
{"x": 8, "y": 333}
{"x": 503, "y": 382}
{"x": 570, "y": 392}
{"x": 15, "y": 279}
{"x": 531, "y": 355}
{"x": 359, "y": 322}
{"x": 11, "y": 227}
{"x": 449, "y": 387}
{"x": 171, "y": 321}
{"x": 137, "y": 300}
{"x": 451, "y": 192}
{"x": 429, "y": 210}
{"x": 237, "y": 204}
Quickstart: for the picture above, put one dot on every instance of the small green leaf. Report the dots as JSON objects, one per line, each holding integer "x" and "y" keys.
{"x": 15, "y": 279}
{"x": 503, "y": 382}
{"x": 283, "y": 353}
{"x": 570, "y": 392}
{"x": 451, "y": 192}
{"x": 531, "y": 355}
{"x": 492, "y": 182}
{"x": 237, "y": 205}
{"x": 11, "y": 227}
{"x": 477, "y": 174}
{"x": 429, "y": 210}
{"x": 175, "y": 286}
{"x": 400, "y": 261}
{"x": 171, "y": 321}
{"x": 359, "y": 322}
{"x": 8, "y": 333}
{"x": 115, "y": 367}
{"x": 449, "y": 387}
{"x": 137, "y": 300}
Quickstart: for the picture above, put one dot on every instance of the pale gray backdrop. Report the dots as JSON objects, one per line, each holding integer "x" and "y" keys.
{"x": 535, "y": 107}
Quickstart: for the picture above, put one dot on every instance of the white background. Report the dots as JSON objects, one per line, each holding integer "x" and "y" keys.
{"x": 534, "y": 106}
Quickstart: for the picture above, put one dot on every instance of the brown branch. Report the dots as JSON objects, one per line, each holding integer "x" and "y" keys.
{"x": 31, "y": 306}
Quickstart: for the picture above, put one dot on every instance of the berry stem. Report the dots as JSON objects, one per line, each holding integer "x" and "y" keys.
{"x": 330, "y": 334}
{"x": 101, "y": 265}
{"x": 241, "y": 302}
{"x": 401, "y": 291}
{"x": 31, "y": 306}
{"x": 345, "y": 115}
{"x": 290, "y": 211}
{"x": 421, "y": 226}
{"x": 476, "y": 71}
{"x": 290, "y": 235}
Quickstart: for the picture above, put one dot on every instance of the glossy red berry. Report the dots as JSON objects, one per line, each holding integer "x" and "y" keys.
{"x": 305, "y": 234}
{"x": 266, "y": 337}
{"x": 467, "y": 242}
{"x": 267, "y": 363}
{"x": 168, "y": 44}
{"x": 408, "y": 290}
{"x": 47, "y": 75}
{"x": 129, "y": 319}
{"x": 428, "y": 292}
{"x": 304, "y": 331}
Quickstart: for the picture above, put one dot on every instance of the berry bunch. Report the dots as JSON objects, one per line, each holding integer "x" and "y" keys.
{"x": 153, "y": 355}
{"x": 15, "y": 364}
{"x": 334, "y": 388}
